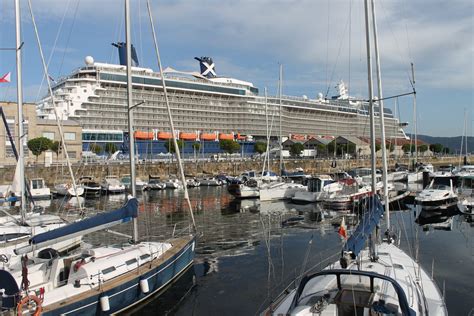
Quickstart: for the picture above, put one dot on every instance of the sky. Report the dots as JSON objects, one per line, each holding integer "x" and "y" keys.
{"x": 318, "y": 42}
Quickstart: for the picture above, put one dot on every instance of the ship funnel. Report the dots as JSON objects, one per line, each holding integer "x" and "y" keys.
{"x": 122, "y": 50}
{"x": 208, "y": 69}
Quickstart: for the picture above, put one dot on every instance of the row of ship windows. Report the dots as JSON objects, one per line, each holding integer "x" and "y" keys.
{"x": 172, "y": 84}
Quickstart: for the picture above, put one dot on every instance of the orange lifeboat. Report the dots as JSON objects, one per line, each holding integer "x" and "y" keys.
{"x": 297, "y": 137}
{"x": 226, "y": 136}
{"x": 241, "y": 137}
{"x": 208, "y": 136}
{"x": 143, "y": 135}
{"x": 187, "y": 136}
{"x": 164, "y": 135}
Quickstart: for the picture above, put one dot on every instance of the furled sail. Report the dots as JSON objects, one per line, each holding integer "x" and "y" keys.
{"x": 85, "y": 226}
{"x": 371, "y": 218}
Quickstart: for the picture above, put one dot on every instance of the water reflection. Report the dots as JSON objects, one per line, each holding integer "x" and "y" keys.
{"x": 245, "y": 256}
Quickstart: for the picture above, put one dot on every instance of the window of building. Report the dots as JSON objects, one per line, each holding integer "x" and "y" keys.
{"x": 49, "y": 135}
{"x": 69, "y": 136}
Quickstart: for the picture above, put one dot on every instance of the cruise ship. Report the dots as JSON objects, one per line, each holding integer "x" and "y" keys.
{"x": 204, "y": 106}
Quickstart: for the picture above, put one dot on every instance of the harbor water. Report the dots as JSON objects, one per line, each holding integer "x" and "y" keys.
{"x": 245, "y": 256}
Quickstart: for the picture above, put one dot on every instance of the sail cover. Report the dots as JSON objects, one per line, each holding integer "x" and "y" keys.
{"x": 371, "y": 218}
{"x": 85, "y": 226}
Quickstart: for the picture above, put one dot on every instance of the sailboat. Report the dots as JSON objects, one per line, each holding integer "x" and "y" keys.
{"x": 17, "y": 229}
{"x": 378, "y": 280}
{"x": 107, "y": 279}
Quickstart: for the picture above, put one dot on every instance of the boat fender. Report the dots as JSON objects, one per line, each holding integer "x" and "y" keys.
{"x": 144, "y": 286}
{"x": 26, "y": 301}
{"x": 104, "y": 303}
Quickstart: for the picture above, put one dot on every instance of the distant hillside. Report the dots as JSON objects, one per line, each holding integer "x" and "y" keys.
{"x": 453, "y": 143}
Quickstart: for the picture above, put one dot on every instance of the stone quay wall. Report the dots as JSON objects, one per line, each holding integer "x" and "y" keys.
{"x": 165, "y": 169}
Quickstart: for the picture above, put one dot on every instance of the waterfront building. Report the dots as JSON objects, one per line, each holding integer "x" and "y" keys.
{"x": 35, "y": 127}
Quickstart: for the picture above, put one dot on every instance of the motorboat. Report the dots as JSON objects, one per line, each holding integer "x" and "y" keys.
{"x": 279, "y": 191}
{"x": 140, "y": 185}
{"x": 91, "y": 187}
{"x": 463, "y": 171}
{"x": 319, "y": 188}
{"x": 208, "y": 182}
{"x": 156, "y": 184}
{"x": 192, "y": 183}
{"x": 249, "y": 189}
{"x": 173, "y": 184}
{"x": 112, "y": 184}
{"x": 39, "y": 190}
{"x": 437, "y": 196}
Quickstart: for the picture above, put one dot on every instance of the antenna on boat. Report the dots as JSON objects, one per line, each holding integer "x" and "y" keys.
{"x": 165, "y": 92}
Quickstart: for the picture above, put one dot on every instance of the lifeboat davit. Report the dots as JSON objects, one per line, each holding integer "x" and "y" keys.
{"x": 164, "y": 135}
{"x": 187, "y": 136}
{"x": 226, "y": 136}
{"x": 208, "y": 136}
{"x": 143, "y": 135}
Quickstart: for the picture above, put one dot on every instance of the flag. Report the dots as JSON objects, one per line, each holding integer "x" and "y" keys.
{"x": 342, "y": 229}
{"x": 6, "y": 77}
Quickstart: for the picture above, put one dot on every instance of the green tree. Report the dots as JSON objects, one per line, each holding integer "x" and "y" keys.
{"x": 229, "y": 146}
{"x": 196, "y": 146}
{"x": 260, "y": 147}
{"x": 436, "y": 148}
{"x": 331, "y": 147}
{"x": 378, "y": 147}
{"x": 296, "y": 149}
{"x": 38, "y": 145}
{"x": 110, "y": 148}
{"x": 390, "y": 147}
{"x": 321, "y": 149}
{"x": 56, "y": 148}
{"x": 408, "y": 148}
{"x": 170, "y": 146}
{"x": 422, "y": 148}
{"x": 96, "y": 149}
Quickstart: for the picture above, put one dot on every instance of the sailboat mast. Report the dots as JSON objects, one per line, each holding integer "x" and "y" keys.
{"x": 414, "y": 113}
{"x": 131, "y": 140}
{"x": 19, "y": 84}
{"x": 280, "y": 133}
{"x": 371, "y": 95}
{"x": 265, "y": 160}
{"x": 381, "y": 115}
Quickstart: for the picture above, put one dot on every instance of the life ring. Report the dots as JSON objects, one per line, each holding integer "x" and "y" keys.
{"x": 26, "y": 300}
